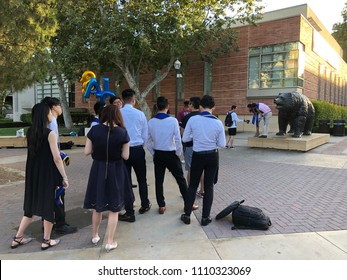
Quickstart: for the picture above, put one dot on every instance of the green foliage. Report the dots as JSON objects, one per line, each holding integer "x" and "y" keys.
{"x": 340, "y": 32}
{"x": 26, "y": 118}
{"x": 137, "y": 36}
{"x": 327, "y": 111}
{"x": 77, "y": 119}
{"x": 26, "y": 28}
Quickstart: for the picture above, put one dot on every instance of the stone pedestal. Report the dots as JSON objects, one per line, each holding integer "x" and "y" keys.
{"x": 305, "y": 143}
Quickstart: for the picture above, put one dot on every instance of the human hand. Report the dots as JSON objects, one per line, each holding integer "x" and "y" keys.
{"x": 65, "y": 183}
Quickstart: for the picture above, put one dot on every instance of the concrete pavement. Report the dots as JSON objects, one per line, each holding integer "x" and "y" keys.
{"x": 304, "y": 194}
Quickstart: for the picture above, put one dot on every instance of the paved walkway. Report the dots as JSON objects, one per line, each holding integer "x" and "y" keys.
{"x": 304, "y": 194}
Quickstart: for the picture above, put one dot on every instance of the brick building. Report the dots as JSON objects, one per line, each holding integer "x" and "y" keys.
{"x": 288, "y": 50}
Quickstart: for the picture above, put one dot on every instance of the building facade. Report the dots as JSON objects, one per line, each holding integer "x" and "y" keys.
{"x": 288, "y": 50}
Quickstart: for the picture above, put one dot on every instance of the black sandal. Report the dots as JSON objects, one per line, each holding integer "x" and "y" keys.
{"x": 20, "y": 241}
{"x": 48, "y": 242}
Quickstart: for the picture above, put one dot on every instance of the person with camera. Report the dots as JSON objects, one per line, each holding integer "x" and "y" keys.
{"x": 232, "y": 128}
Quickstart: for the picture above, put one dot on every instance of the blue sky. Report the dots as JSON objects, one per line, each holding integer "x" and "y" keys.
{"x": 328, "y": 12}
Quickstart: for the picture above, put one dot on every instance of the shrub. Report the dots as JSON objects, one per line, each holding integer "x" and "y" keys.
{"x": 26, "y": 118}
{"x": 14, "y": 124}
{"x": 328, "y": 111}
{"x": 78, "y": 118}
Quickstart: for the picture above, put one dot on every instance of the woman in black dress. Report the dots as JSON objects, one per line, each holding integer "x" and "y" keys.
{"x": 44, "y": 172}
{"x": 108, "y": 143}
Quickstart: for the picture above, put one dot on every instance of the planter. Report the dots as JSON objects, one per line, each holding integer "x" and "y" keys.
{"x": 339, "y": 128}
{"x": 324, "y": 126}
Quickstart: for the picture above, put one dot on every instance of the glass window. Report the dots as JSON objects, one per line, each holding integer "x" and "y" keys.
{"x": 253, "y": 73}
{"x": 276, "y": 66}
{"x": 279, "y": 48}
{"x": 207, "y": 78}
{"x": 267, "y": 49}
{"x": 267, "y": 58}
{"x": 291, "y": 46}
{"x": 254, "y": 51}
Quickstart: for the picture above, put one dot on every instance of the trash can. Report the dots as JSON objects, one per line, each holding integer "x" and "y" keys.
{"x": 339, "y": 128}
{"x": 324, "y": 126}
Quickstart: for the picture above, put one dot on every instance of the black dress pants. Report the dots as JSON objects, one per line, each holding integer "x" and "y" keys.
{"x": 137, "y": 161}
{"x": 59, "y": 212}
{"x": 169, "y": 160}
{"x": 208, "y": 163}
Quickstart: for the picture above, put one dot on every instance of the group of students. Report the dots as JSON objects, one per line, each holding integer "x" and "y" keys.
{"x": 116, "y": 144}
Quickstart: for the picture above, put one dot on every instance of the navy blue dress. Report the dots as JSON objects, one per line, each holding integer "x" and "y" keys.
{"x": 108, "y": 176}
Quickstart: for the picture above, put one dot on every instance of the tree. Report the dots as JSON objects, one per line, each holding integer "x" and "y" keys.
{"x": 141, "y": 36}
{"x": 25, "y": 31}
{"x": 340, "y": 32}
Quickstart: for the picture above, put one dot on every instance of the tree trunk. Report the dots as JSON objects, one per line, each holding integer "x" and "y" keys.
{"x": 2, "y": 103}
{"x": 62, "y": 94}
{"x": 141, "y": 96}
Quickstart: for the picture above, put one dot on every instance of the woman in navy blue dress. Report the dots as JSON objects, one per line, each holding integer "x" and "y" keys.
{"x": 108, "y": 143}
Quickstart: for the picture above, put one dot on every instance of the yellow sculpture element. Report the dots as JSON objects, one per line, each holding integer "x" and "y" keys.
{"x": 87, "y": 75}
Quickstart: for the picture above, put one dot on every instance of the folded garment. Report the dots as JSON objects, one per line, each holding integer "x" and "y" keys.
{"x": 59, "y": 190}
{"x": 65, "y": 158}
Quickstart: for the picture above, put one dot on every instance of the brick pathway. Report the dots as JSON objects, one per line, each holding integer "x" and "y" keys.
{"x": 291, "y": 187}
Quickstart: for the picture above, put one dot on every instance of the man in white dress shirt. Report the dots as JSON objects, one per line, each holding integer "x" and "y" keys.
{"x": 136, "y": 125}
{"x": 207, "y": 133}
{"x": 164, "y": 143}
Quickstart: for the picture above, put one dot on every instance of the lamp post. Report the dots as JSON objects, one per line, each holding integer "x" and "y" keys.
{"x": 177, "y": 65}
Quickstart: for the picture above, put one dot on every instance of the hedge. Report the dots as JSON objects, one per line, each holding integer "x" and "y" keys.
{"x": 328, "y": 111}
{"x": 78, "y": 118}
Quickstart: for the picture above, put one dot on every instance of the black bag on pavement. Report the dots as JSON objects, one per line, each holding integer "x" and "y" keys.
{"x": 245, "y": 217}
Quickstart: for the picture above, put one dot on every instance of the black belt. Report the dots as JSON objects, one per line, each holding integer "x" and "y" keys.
{"x": 207, "y": 152}
{"x": 188, "y": 144}
{"x": 138, "y": 146}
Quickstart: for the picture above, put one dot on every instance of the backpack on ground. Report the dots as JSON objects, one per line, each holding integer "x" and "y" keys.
{"x": 246, "y": 217}
{"x": 228, "y": 120}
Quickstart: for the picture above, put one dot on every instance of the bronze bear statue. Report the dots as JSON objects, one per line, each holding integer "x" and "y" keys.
{"x": 296, "y": 110}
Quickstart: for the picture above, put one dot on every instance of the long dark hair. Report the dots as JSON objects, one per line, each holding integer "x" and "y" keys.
{"x": 35, "y": 136}
{"x": 111, "y": 115}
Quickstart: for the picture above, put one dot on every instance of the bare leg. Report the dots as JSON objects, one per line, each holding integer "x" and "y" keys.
{"x": 111, "y": 226}
{"x": 24, "y": 223}
{"x": 96, "y": 220}
{"x": 257, "y": 133}
{"x": 47, "y": 229}
{"x": 19, "y": 237}
{"x": 231, "y": 140}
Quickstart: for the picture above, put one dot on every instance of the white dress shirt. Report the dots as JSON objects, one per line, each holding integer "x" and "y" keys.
{"x": 135, "y": 123}
{"x": 164, "y": 135}
{"x": 206, "y": 131}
